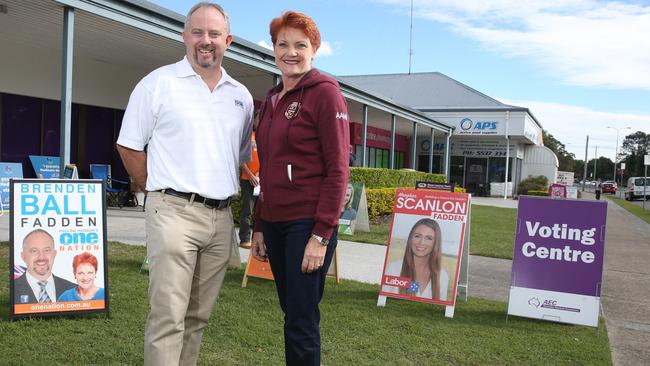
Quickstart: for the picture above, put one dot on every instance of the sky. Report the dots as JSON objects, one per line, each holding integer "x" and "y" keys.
{"x": 582, "y": 67}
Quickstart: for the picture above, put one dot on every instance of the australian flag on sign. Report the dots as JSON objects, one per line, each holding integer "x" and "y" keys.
{"x": 19, "y": 271}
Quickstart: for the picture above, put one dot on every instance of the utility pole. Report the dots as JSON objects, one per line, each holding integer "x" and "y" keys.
{"x": 616, "y": 151}
{"x": 595, "y": 161}
{"x": 411, "y": 41}
{"x": 584, "y": 174}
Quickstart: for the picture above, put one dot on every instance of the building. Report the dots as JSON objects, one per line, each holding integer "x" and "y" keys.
{"x": 490, "y": 139}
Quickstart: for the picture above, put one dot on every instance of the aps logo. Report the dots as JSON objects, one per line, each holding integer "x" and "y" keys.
{"x": 467, "y": 124}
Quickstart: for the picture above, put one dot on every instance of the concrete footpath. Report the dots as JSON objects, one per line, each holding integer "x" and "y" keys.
{"x": 625, "y": 293}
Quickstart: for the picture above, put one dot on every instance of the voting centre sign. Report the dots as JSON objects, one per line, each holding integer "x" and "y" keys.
{"x": 557, "y": 266}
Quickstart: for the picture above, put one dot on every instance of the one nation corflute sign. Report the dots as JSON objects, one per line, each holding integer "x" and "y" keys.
{"x": 557, "y": 265}
{"x": 58, "y": 247}
{"x": 425, "y": 245}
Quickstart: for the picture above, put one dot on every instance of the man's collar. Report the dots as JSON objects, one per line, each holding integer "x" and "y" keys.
{"x": 184, "y": 69}
{"x": 34, "y": 280}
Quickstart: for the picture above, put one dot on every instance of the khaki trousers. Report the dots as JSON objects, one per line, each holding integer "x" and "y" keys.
{"x": 188, "y": 246}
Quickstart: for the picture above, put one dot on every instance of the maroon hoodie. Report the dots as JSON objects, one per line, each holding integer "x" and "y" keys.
{"x": 303, "y": 146}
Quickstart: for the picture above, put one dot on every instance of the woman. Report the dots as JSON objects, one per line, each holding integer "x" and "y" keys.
{"x": 84, "y": 267}
{"x": 303, "y": 140}
{"x": 422, "y": 263}
{"x": 349, "y": 213}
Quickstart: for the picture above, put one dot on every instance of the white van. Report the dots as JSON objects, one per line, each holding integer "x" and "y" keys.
{"x": 635, "y": 188}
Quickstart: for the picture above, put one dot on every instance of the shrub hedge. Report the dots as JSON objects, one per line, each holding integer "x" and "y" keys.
{"x": 380, "y": 201}
{"x": 390, "y": 178}
{"x": 538, "y": 183}
{"x": 537, "y": 193}
{"x": 381, "y": 185}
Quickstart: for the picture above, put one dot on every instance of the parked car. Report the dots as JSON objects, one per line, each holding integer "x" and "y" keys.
{"x": 608, "y": 186}
{"x": 635, "y": 188}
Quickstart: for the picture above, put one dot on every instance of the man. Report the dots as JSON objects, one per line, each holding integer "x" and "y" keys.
{"x": 38, "y": 284}
{"x": 249, "y": 181}
{"x": 196, "y": 122}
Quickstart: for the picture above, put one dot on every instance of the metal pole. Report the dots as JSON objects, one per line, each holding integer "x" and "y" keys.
{"x": 66, "y": 87}
{"x": 616, "y": 156}
{"x": 595, "y": 161}
{"x": 645, "y": 183}
{"x": 448, "y": 158}
{"x": 364, "y": 135}
{"x": 505, "y": 184}
{"x": 584, "y": 174}
{"x": 622, "y": 169}
{"x": 393, "y": 126}
{"x": 431, "y": 151}
{"x": 414, "y": 146}
{"x": 411, "y": 39}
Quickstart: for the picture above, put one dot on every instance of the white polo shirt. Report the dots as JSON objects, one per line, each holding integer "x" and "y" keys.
{"x": 196, "y": 138}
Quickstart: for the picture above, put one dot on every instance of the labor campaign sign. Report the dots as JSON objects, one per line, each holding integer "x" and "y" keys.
{"x": 58, "y": 253}
{"x": 557, "y": 265}
{"x": 425, "y": 244}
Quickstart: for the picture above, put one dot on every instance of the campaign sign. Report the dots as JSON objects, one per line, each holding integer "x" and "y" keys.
{"x": 557, "y": 191}
{"x": 434, "y": 186}
{"x": 557, "y": 266}
{"x": 46, "y": 167}
{"x": 425, "y": 245}
{"x": 58, "y": 253}
{"x": 354, "y": 212}
{"x": 8, "y": 171}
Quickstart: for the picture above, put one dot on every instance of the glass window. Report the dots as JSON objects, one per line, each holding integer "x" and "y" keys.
{"x": 21, "y": 129}
{"x": 457, "y": 170}
{"x": 400, "y": 160}
{"x": 357, "y": 151}
{"x": 371, "y": 157}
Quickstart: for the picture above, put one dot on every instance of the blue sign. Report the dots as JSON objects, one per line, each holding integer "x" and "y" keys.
{"x": 7, "y": 171}
{"x": 46, "y": 167}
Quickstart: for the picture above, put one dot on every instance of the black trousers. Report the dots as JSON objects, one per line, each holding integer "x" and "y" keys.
{"x": 299, "y": 293}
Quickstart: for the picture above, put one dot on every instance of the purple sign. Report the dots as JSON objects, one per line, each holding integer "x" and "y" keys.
{"x": 559, "y": 245}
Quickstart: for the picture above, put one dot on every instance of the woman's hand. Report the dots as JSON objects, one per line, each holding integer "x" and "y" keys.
{"x": 314, "y": 256}
{"x": 258, "y": 248}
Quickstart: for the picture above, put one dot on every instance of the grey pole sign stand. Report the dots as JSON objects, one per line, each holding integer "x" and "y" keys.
{"x": 646, "y": 162}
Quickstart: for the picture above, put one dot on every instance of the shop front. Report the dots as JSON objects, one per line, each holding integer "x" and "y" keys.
{"x": 378, "y": 147}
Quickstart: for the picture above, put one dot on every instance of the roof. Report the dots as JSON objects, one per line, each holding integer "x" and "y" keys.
{"x": 430, "y": 92}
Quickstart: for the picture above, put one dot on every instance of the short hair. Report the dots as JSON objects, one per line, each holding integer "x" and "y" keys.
{"x": 296, "y": 20}
{"x": 205, "y": 4}
{"x": 37, "y": 231}
{"x": 84, "y": 257}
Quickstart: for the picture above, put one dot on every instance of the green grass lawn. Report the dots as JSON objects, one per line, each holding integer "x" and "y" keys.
{"x": 246, "y": 329}
{"x": 492, "y": 232}
{"x": 637, "y": 211}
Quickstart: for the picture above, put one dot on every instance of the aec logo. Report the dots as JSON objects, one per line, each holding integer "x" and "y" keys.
{"x": 533, "y": 301}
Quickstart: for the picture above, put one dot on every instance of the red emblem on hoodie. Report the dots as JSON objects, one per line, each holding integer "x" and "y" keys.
{"x": 292, "y": 110}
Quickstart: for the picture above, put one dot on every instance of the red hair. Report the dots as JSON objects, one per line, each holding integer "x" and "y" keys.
{"x": 299, "y": 21}
{"x": 84, "y": 257}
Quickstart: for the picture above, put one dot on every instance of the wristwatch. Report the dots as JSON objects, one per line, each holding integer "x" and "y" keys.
{"x": 322, "y": 241}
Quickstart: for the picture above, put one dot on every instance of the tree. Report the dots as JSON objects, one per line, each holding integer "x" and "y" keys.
{"x": 565, "y": 159}
{"x": 635, "y": 146}
{"x": 604, "y": 169}
{"x": 579, "y": 169}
